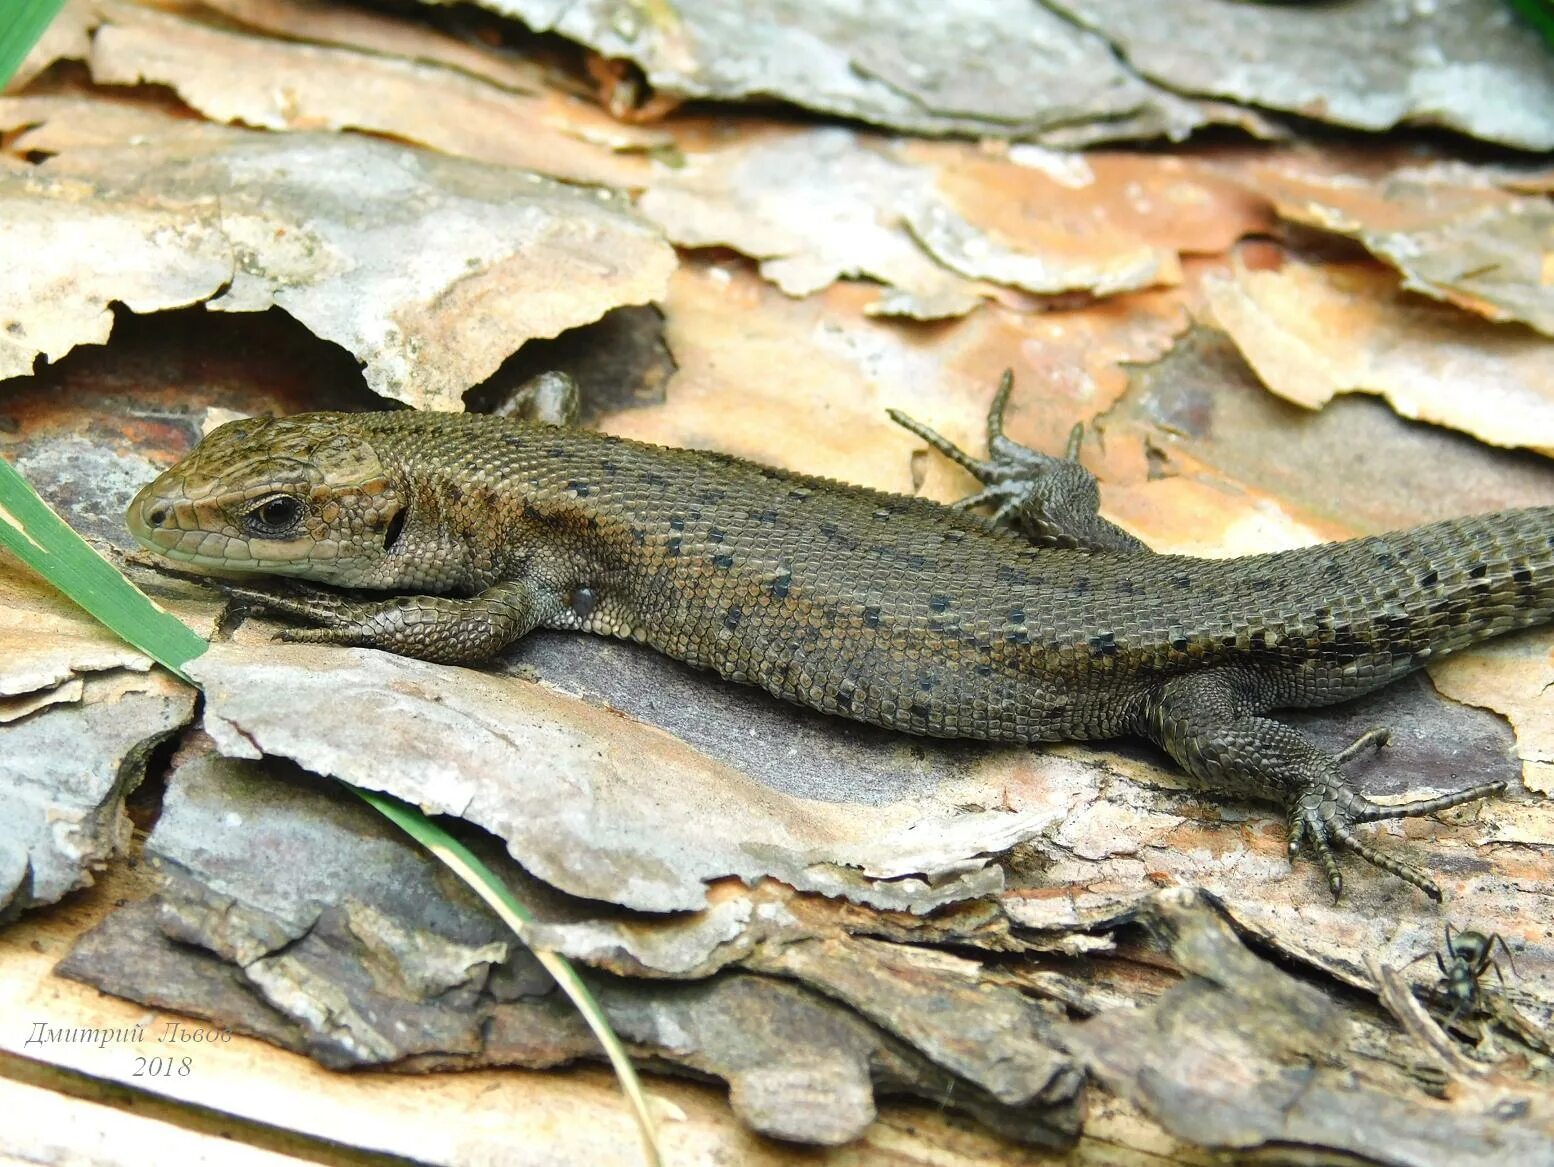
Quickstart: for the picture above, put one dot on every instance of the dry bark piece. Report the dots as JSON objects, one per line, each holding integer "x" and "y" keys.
{"x": 76, "y": 246}
{"x": 1201, "y": 458}
{"x": 1469, "y": 65}
{"x": 608, "y": 808}
{"x": 1515, "y": 678}
{"x": 938, "y": 223}
{"x": 813, "y": 207}
{"x": 1316, "y": 330}
{"x": 53, "y": 123}
{"x": 243, "y": 77}
{"x": 430, "y": 269}
{"x": 64, "y": 772}
{"x": 1101, "y": 221}
{"x": 1000, "y": 69}
{"x": 46, "y": 641}
{"x": 1454, "y": 231}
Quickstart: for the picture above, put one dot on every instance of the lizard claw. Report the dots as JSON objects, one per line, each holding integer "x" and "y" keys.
{"x": 1327, "y": 811}
{"x": 1377, "y": 735}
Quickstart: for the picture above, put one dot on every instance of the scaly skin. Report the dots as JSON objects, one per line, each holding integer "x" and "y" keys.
{"x": 891, "y": 610}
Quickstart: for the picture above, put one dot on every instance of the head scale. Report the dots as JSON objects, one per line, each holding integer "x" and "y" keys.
{"x": 297, "y": 496}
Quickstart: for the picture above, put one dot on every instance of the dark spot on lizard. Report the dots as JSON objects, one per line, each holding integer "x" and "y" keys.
{"x": 1429, "y": 579}
{"x": 1104, "y": 645}
{"x": 581, "y": 489}
{"x": 653, "y": 478}
{"x": 672, "y": 547}
{"x": 939, "y": 603}
{"x": 921, "y": 710}
{"x": 553, "y": 452}
{"x": 840, "y": 538}
{"x": 454, "y": 492}
{"x": 871, "y": 617}
{"x": 714, "y": 535}
{"x": 610, "y": 467}
{"x": 1080, "y": 587}
{"x": 1522, "y": 575}
{"x": 1478, "y": 571}
{"x": 723, "y": 561}
{"x": 1182, "y": 581}
{"x": 1017, "y": 615}
{"x": 676, "y": 523}
{"x": 955, "y": 536}
{"x": 732, "y": 617}
{"x": 583, "y": 602}
{"x": 769, "y": 518}
{"x": 780, "y": 585}
{"x": 844, "y": 694}
{"x": 799, "y": 494}
{"x": 711, "y": 496}
{"x": 1261, "y": 584}
{"x": 1018, "y": 636}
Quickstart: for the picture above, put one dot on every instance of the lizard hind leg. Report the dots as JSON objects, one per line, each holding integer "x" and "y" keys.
{"x": 1210, "y": 723}
{"x": 1054, "y": 501}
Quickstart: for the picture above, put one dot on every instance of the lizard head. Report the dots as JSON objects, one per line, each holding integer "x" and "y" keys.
{"x": 299, "y": 496}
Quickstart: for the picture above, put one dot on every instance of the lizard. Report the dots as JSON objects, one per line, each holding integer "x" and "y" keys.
{"x": 1041, "y": 622}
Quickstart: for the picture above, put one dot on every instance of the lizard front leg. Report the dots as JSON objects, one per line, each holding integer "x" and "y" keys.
{"x": 1210, "y": 723}
{"x": 1055, "y": 501}
{"x": 442, "y": 629}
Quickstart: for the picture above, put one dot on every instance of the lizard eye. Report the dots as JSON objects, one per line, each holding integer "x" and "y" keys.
{"x": 274, "y": 516}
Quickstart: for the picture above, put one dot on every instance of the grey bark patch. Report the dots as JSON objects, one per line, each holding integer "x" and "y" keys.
{"x": 369, "y": 955}
{"x": 64, "y": 772}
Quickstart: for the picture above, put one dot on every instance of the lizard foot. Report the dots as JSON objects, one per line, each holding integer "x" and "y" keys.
{"x": 297, "y": 600}
{"x": 1326, "y": 812}
{"x": 1053, "y": 500}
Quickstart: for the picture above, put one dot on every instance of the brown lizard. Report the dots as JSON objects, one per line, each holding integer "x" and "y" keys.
{"x": 1044, "y": 622}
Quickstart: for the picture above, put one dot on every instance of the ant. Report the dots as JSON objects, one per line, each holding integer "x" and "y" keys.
{"x": 1471, "y": 955}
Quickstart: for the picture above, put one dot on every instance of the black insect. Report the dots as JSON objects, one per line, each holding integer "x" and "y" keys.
{"x": 1467, "y": 957}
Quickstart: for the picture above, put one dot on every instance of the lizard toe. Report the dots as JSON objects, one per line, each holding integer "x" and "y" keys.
{"x": 1377, "y": 736}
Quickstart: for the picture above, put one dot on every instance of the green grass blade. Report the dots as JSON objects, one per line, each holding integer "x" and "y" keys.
{"x": 1539, "y": 14}
{"x": 45, "y": 543}
{"x": 21, "y": 24}
{"x": 468, "y": 867}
